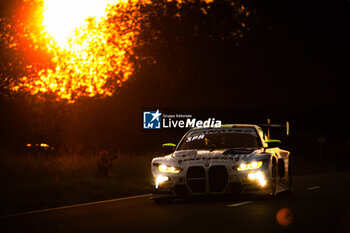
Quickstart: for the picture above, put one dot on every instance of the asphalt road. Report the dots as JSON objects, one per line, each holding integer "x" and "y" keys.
{"x": 320, "y": 203}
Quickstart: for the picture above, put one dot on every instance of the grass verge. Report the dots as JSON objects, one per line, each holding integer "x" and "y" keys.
{"x": 37, "y": 181}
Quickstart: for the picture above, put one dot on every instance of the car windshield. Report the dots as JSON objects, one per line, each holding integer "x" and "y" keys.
{"x": 220, "y": 139}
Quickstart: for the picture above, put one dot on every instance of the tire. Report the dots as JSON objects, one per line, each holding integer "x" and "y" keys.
{"x": 273, "y": 177}
{"x": 290, "y": 177}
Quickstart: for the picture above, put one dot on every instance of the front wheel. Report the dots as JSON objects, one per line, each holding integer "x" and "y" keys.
{"x": 273, "y": 180}
{"x": 290, "y": 177}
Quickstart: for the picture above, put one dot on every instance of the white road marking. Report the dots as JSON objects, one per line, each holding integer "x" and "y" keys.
{"x": 313, "y": 188}
{"x": 77, "y": 205}
{"x": 239, "y": 203}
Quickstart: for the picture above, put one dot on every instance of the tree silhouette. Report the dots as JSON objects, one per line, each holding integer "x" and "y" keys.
{"x": 179, "y": 46}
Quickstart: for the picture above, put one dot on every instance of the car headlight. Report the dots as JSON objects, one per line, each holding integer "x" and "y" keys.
{"x": 249, "y": 166}
{"x": 259, "y": 177}
{"x": 168, "y": 169}
{"x": 160, "y": 179}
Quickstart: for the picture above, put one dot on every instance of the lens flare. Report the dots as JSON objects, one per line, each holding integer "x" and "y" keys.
{"x": 284, "y": 217}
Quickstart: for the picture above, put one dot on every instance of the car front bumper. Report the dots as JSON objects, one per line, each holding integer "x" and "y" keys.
{"x": 182, "y": 185}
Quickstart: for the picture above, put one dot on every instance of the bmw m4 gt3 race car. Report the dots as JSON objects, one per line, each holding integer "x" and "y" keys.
{"x": 231, "y": 159}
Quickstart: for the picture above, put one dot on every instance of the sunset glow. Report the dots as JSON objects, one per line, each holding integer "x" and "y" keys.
{"x": 62, "y": 18}
{"x": 82, "y": 47}
{"x": 90, "y": 54}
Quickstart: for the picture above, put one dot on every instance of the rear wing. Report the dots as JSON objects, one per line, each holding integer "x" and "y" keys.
{"x": 268, "y": 126}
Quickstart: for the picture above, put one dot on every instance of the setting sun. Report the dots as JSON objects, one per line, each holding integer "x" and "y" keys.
{"x": 61, "y": 18}
{"x": 86, "y": 47}
{"x": 90, "y": 44}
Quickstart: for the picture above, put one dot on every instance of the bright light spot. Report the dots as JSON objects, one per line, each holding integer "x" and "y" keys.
{"x": 249, "y": 166}
{"x": 62, "y": 17}
{"x": 43, "y": 145}
{"x": 258, "y": 176}
{"x": 162, "y": 168}
{"x": 160, "y": 179}
{"x": 165, "y": 169}
{"x": 262, "y": 182}
{"x": 254, "y": 164}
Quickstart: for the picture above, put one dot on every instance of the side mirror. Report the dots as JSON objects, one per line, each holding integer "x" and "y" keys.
{"x": 168, "y": 148}
{"x": 272, "y": 143}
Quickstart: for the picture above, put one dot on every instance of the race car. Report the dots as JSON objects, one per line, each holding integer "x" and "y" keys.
{"x": 228, "y": 160}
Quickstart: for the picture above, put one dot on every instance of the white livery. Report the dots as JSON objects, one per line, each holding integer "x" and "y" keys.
{"x": 228, "y": 160}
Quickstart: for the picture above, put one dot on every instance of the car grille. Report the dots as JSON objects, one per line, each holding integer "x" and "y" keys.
{"x": 196, "y": 179}
{"x": 218, "y": 178}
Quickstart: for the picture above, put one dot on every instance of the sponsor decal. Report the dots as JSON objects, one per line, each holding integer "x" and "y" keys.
{"x": 224, "y": 130}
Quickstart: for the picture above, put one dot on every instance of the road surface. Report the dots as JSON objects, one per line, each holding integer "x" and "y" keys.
{"x": 320, "y": 203}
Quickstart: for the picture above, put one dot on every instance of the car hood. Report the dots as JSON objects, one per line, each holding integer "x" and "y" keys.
{"x": 235, "y": 155}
